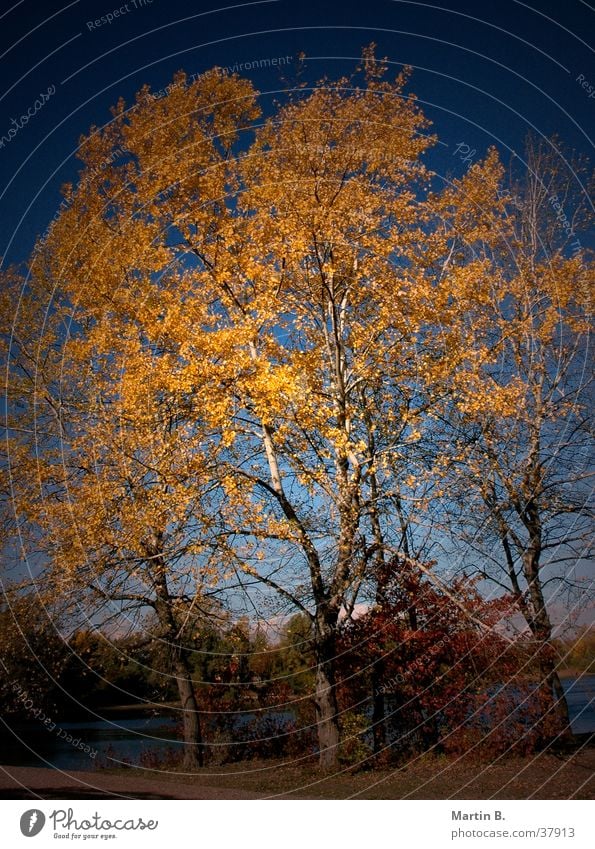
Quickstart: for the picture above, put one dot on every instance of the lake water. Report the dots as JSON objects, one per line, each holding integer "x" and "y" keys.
{"x": 113, "y": 742}
{"x": 580, "y": 695}
{"x": 132, "y": 739}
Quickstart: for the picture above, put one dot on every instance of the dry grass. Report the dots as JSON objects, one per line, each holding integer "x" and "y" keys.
{"x": 543, "y": 776}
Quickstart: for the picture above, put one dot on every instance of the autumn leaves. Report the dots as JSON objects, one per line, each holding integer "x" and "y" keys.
{"x": 240, "y": 339}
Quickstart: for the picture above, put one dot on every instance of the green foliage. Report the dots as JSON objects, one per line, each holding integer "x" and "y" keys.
{"x": 579, "y": 651}
{"x": 356, "y": 742}
{"x": 33, "y": 657}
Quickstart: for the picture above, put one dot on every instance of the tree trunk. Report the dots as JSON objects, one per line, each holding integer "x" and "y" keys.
{"x": 327, "y": 711}
{"x": 378, "y": 707}
{"x": 557, "y": 690}
{"x": 541, "y": 628}
{"x": 551, "y": 685}
{"x": 193, "y": 744}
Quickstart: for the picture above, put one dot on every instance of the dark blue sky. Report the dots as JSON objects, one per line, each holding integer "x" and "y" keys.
{"x": 486, "y": 73}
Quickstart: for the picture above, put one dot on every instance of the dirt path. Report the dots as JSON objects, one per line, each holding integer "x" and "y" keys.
{"x": 36, "y": 783}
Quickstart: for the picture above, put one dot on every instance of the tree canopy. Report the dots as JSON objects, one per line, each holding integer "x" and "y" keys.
{"x": 235, "y": 348}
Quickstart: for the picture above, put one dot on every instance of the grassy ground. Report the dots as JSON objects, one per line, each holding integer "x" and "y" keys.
{"x": 543, "y": 776}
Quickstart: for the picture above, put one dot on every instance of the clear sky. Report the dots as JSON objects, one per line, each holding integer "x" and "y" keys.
{"x": 485, "y": 72}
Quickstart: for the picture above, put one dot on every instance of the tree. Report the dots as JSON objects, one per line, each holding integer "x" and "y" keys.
{"x": 241, "y": 341}
{"x": 33, "y": 655}
{"x": 107, "y": 479}
{"x": 450, "y": 673}
{"x": 519, "y": 432}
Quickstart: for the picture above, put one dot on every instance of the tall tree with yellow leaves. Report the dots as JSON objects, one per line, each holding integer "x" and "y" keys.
{"x": 244, "y": 340}
{"x": 519, "y": 436}
{"x": 108, "y": 483}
